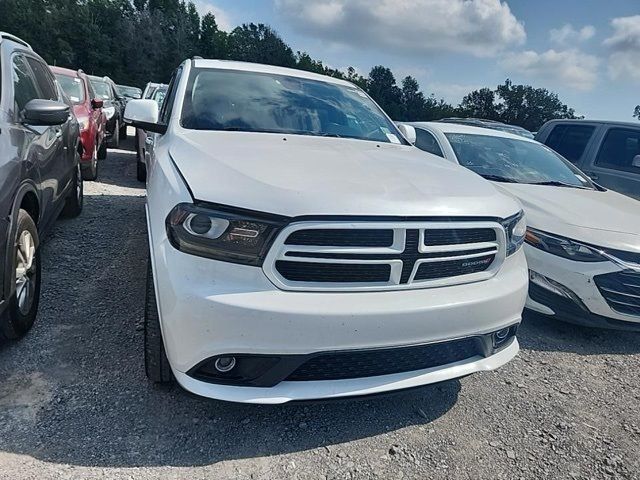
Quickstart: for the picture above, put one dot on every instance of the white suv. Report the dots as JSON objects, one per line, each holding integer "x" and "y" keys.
{"x": 301, "y": 248}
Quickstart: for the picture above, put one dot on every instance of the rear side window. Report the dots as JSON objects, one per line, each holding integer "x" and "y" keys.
{"x": 24, "y": 84}
{"x": 570, "y": 141}
{"x": 427, "y": 142}
{"x": 620, "y": 150}
{"x": 44, "y": 79}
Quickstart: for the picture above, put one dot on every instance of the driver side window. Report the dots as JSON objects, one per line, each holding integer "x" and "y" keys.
{"x": 24, "y": 83}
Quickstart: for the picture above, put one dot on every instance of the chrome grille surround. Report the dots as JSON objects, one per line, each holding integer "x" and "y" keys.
{"x": 391, "y": 255}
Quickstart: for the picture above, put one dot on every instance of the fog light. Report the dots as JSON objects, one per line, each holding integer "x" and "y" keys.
{"x": 225, "y": 364}
{"x": 502, "y": 334}
{"x": 557, "y": 288}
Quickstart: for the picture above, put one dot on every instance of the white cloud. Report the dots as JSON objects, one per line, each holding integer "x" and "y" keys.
{"x": 451, "y": 92}
{"x": 624, "y": 48}
{"x": 479, "y": 27}
{"x": 568, "y": 35}
{"x": 222, "y": 18}
{"x": 569, "y": 68}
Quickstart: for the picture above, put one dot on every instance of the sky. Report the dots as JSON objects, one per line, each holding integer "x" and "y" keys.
{"x": 587, "y": 51}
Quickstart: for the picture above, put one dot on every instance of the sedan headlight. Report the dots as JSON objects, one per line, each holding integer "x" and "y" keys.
{"x": 563, "y": 247}
{"x": 516, "y": 228}
{"x": 222, "y": 233}
{"x": 109, "y": 112}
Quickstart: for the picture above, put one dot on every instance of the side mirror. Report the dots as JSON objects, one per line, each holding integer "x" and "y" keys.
{"x": 636, "y": 161}
{"x": 144, "y": 114}
{"x": 408, "y": 132}
{"x": 40, "y": 112}
{"x": 97, "y": 103}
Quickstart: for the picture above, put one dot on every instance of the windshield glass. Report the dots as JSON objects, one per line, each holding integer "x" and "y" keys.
{"x": 130, "y": 92}
{"x": 72, "y": 86}
{"x": 516, "y": 161}
{"x": 159, "y": 95}
{"x": 102, "y": 89}
{"x": 257, "y": 102}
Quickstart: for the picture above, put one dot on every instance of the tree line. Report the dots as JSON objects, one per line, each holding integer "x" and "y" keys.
{"x": 136, "y": 41}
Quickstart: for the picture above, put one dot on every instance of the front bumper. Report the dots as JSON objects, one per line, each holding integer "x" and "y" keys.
{"x": 327, "y": 389}
{"x": 584, "y": 303}
{"x": 210, "y": 308}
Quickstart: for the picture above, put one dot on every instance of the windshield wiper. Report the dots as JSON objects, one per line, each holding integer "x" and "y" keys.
{"x": 556, "y": 183}
{"x": 498, "y": 178}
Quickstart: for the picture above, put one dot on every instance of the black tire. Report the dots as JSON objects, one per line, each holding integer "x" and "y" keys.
{"x": 90, "y": 172}
{"x": 75, "y": 200}
{"x": 115, "y": 138}
{"x": 102, "y": 151}
{"x": 123, "y": 131}
{"x": 141, "y": 171}
{"x": 16, "y": 320}
{"x": 155, "y": 358}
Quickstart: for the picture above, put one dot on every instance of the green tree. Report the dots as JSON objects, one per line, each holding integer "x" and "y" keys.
{"x": 636, "y": 112}
{"x": 530, "y": 107}
{"x": 213, "y": 41}
{"x": 381, "y": 85}
{"x": 261, "y": 44}
{"x": 480, "y": 104}
{"x": 414, "y": 102}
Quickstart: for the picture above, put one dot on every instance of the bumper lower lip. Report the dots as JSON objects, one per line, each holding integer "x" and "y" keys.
{"x": 269, "y": 370}
{"x": 567, "y": 310}
{"x": 328, "y": 389}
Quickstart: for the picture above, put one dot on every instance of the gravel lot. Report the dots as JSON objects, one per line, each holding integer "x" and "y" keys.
{"x": 74, "y": 401}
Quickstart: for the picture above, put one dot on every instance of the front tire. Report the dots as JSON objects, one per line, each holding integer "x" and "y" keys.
{"x": 102, "y": 151}
{"x": 90, "y": 172}
{"x": 115, "y": 138}
{"x": 75, "y": 200}
{"x": 141, "y": 171}
{"x": 25, "y": 275}
{"x": 155, "y": 358}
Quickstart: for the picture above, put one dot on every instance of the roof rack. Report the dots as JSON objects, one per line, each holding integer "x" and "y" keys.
{"x": 13, "y": 38}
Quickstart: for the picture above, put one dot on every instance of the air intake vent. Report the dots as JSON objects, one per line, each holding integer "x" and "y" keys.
{"x": 359, "y": 255}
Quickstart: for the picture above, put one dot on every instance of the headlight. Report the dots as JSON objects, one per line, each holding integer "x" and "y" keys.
{"x": 516, "y": 228}
{"x": 109, "y": 112}
{"x": 222, "y": 233}
{"x": 563, "y": 247}
{"x": 84, "y": 123}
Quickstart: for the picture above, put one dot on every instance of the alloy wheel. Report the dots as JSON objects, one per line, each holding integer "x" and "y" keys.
{"x": 25, "y": 271}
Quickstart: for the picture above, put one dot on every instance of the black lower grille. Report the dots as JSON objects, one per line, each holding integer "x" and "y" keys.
{"x": 333, "y": 272}
{"x": 345, "y": 365}
{"x": 621, "y": 290}
{"x": 457, "y": 236}
{"x": 453, "y": 268}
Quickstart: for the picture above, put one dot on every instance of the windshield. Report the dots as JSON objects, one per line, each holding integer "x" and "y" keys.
{"x": 130, "y": 92}
{"x": 516, "y": 161}
{"x": 72, "y": 86}
{"x": 159, "y": 95}
{"x": 102, "y": 89}
{"x": 257, "y": 102}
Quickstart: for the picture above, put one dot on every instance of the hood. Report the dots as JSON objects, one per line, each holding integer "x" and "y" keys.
{"x": 296, "y": 175}
{"x": 607, "y": 219}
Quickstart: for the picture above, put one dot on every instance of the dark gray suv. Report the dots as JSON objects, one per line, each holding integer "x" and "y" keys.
{"x": 40, "y": 176}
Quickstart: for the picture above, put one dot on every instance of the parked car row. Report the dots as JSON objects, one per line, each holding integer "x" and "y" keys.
{"x": 155, "y": 92}
{"x": 40, "y": 174}
{"x": 301, "y": 246}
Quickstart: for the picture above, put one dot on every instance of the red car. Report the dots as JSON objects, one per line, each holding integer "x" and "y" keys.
{"x": 87, "y": 107}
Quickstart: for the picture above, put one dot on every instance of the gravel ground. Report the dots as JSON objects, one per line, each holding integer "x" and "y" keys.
{"x": 74, "y": 401}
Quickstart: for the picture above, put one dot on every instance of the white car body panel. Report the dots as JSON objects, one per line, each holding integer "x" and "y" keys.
{"x": 602, "y": 218}
{"x": 209, "y": 307}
